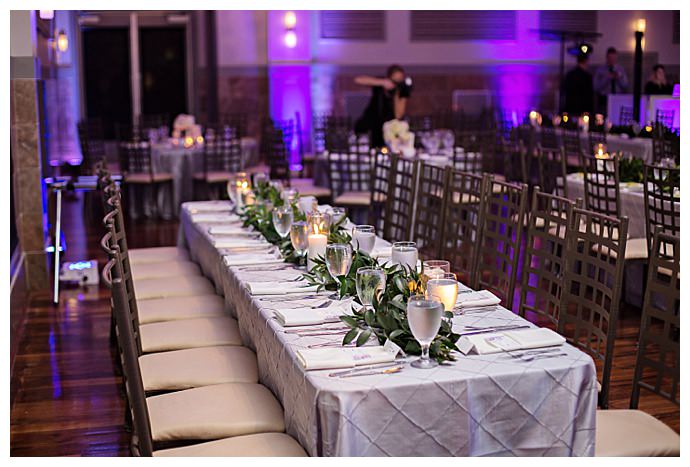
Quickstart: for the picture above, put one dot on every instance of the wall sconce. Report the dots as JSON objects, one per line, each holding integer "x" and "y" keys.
{"x": 61, "y": 41}
{"x": 46, "y": 14}
{"x": 290, "y": 21}
{"x": 641, "y": 25}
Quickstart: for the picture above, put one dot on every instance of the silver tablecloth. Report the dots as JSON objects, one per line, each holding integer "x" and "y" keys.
{"x": 478, "y": 406}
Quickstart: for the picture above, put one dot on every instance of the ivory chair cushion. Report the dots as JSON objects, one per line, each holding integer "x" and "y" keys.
{"x": 193, "y": 368}
{"x": 633, "y": 433}
{"x": 178, "y": 286}
{"x": 214, "y": 412}
{"x": 189, "y": 333}
{"x": 260, "y": 445}
{"x": 157, "y": 255}
{"x": 165, "y": 269}
{"x": 214, "y": 176}
{"x": 353, "y": 198}
{"x": 146, "y": 178}
{"x": 174, "y": 308}
{"x": 635, "y": 248}
{"x": 306, "y": 187}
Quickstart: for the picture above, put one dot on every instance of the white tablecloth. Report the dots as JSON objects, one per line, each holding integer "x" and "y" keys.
{"x": 478, "y": 405}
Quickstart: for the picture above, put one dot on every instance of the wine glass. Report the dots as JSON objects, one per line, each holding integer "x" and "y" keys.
{"x": 370, "y": 283}
{"x": 289, "y": 195}
{"x": 444, "y": 288}
{"x": 338, "y": 262}
{"x": 282, "y": 220}
{"x": 364, "y": 238}
{"x": 424, "y": 317}
{"x": 299, "y": 236}
{"x": 434, "y": 267}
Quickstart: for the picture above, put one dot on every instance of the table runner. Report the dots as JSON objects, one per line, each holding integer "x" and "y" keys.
{"x": 487, "y": 405}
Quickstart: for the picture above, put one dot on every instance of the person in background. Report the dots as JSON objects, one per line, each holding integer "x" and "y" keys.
{"x": 609, "y": 79}
{"x": 657, "y": 83}
{"x": 388, "y": 101}
{"x": 577, "y": 88}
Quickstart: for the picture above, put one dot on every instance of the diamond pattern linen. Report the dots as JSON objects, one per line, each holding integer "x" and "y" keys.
{"x": 490, "y": 405}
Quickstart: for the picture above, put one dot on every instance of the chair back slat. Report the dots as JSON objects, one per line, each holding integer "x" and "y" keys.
{"x": 594, "y": 260}
{"x": 602, "y": 185}
{"x": 552, "y": 171}
{"x": 222, "y": 150}
{"x": 380, "y": 181}
{"x": 400, "y": 199}
{"x": 658, "y": 353}
{"x": 501, "y": 230}
{"x": 428, "y": 217}
{"x": 462, "y": 212}
{"x": 350, "y": 172}
{"x": 662, "y": 208}
{"x": 135, "y": 158}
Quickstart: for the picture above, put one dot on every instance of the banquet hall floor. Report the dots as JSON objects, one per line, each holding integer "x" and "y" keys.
{"x": 65, "y": 396}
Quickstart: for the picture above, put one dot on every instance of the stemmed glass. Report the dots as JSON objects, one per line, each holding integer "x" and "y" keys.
{"x": 282, "y": 220}
{"x": 444, "y": 288}
{"x": 370, "y": 283}
{"x": 424, "y": 316}
{"x": 364, "y": 238}
{"x": 299, "y": 236}
{"x": 338, "y": 262}
{"x": 433, "y": 267}
{"x": 289, "y": 195}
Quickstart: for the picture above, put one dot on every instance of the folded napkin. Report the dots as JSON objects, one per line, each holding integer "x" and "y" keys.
{"x": 477, "y": 299}
{"x": 251, "y": 258}
{"x": 326, "y": 359}
{"x": 215, "y": 217}
{"x": 305, "y": 316}
{"x": 239, "y": 242}
{"x": 232, "y": 229}
{"x": 210, "y": 206}
{"x": 509, "y": 341}
{"x": 279, "y": 288}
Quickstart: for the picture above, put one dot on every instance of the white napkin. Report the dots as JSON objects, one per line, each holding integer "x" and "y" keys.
{"x": 326, "y": 359}
{"x": 509, "y": 341}
{"x": 279, "y": 288}
{"x": 215, "y": 217}
{"x": 251, "y": 258}
{"x": 210, "y": 206}
{"x": 477, "y": 299}
{"x": 232, "y": 229}
{"x": 305, "y": 316}
{"x": 235, "y": 242}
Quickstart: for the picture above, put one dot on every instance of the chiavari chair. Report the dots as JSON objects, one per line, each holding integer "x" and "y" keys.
{"x": 222, "y": 157}
{"x": 625, "y": 115}
{"x": 602, "y": 185}
{"x": 552, "y": 170}
{"x": 350, "y": 179}
{"x": 461, "y": 232}
{"x": 428, "y": 217}
{"x": 502, "y": 221}
{"x": 277, "y": 152}
{"x": 400, "y": 199}
{"x": 657, "y": 368}
{"x": 517, "y": 162}
{"x": 136, "y": 165}
{"x": 665, "y": 117}
{"x": 550, "y": 138}
{"x": 573, "y": 147}
{"x": 662, "y": 145}
{"x": 240, "y": 418}
{"x": 549, "y": 220}
{"x": 380, "y": 182}
{"x": 92, "y": 144}
{"x": 239, "y": 123}
{"x": 592, "y": 287}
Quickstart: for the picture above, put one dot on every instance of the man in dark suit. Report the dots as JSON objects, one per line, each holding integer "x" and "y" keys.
{"x": 577, "y": 88}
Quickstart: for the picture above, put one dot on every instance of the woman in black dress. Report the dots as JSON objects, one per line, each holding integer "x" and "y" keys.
{"x": 657, "y": 83}
{"x": 388, "y": 100}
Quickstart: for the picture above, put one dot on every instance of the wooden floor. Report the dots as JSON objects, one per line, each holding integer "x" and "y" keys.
{"x": 66, "y": 398}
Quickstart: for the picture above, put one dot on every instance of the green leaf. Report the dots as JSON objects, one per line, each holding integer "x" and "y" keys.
{"x": 395, "y": 334}
{"x": 350, "y": 321}
{"x": 363, "y": 337}
{"x": 349, "y": 337}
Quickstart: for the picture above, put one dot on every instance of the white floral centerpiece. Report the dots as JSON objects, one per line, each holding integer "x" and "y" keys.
{"x": 185, "y": 126}
{"x": 398, "y": 137}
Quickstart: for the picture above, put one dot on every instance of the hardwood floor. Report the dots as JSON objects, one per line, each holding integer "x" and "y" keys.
{"x": 66, "y": 397}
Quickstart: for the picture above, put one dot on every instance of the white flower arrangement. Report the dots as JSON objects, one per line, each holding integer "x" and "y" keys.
{"x": 185, "y": 125}
{"x": 398, "y": 137}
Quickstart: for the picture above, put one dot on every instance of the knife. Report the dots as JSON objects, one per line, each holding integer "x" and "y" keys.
{"x": 387, "y": 371}
{"x": 497, "y": 329}
{"x": 377, "y": 366}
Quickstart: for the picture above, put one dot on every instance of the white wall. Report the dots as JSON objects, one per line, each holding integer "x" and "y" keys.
{"x": 241, "y": 38}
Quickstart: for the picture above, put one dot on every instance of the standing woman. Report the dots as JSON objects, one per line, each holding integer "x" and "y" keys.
{"x": 388, "y": 100}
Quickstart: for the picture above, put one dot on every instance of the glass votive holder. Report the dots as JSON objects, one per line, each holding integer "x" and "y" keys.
{"x": 443, "y": 288}
{"x": 405, "y": 254}
{"x": 434, "y": 267}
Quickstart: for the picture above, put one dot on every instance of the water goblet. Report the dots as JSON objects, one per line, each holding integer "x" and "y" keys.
{"x": 434, "y": 267}
{"x": 364, "y": 238}
{"x": 370, "y": 283}
{"x": 282, "y": 220}
{"x": 404, "y": 254}
{"x": 338, "y": 262}
{"x": 424, "y": 317}
{"x": 299, "y": 236}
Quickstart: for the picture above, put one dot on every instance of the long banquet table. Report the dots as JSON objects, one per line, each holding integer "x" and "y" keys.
{"x": 489, "y": 405}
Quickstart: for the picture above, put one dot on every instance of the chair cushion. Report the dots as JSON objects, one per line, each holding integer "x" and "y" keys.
{"x": 157, "y": 255}
{"x": 189, "y": 333}
{"x": 306, "y": 187}
{"x": 193, "y": 368}
{"x": 214, "y": 412}
{"x": 635, "y": 248}
{"x": 175, "y": 308}
{"x": 353, "y": 198}
{"x": 260, "y": 445}
{"x": 178, "y": 286}
{"x": 214, "y": 177}
{"x": 164, "y": 269}
{"x": 634, "y": 433}
{"x": 146, "y": 178}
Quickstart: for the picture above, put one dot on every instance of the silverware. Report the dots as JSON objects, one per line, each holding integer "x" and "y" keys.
{"x": 376, "y": 366}
{"x": 482, "y": 328}
{"x": 315, "y": 328}
{"x": 283, "y": 298}
{"x": 387, "y": 371}
{"x": 528, "y": 353}
{"x": 541, "y": 357}
{"x": 488, "y": 330}
{"x": 265, "y": 268}
{"x": 320, "y": 332}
